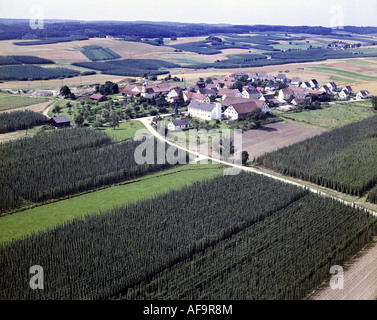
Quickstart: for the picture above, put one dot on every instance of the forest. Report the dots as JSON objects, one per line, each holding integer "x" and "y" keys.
{"x": 232, "y": 237}
{"x": 344, "y": 159}
{"x": 20, "y": 29}
{"x": 54, "y": 164}
{"x": 20, "y": 120}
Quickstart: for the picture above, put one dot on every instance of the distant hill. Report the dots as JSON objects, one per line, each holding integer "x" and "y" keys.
{"x": 20, "y": 29}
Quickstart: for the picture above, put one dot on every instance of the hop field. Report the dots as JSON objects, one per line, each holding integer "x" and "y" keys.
{"x": 233, "y": 237}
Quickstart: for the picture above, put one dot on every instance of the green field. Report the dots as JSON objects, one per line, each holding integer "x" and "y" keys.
{"x": 126, "y": 130}
{"x": 344, "y": 73}
{"x": 340, "y": 79}
{"x": 337, "y": 115}
{"x": 8, "y": 101}
{"x": 47, "y": 216}
{"x": 361, "y": 62}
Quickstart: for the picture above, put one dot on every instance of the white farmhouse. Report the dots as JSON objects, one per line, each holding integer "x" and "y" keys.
{"x": 344, "y": 94}
{"x": 251, "y": 93}
{"x": 239, "y": 111}
{"x": 206, "y": 111}
{"x": 363, "y": 94}
{"x": 178, "y": 124}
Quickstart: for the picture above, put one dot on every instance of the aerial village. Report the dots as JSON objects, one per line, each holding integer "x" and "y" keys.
{"x": 223, "y": 99}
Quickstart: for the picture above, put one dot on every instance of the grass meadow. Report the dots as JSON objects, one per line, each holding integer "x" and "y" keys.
{"x": 20, "y": 224}
{"x": 8, "y": 102}
{"x": 337, "y": 115}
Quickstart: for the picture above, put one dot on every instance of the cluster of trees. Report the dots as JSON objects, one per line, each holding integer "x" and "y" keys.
{"x": 108, "y": 88}
{"x": 33, "y": 72}
{"x": 372, "y": 195}
{"x": 54, "y": 164}
{"x": 233, "y": 237}
{"x": 130, "y": 67}
{"x": 20, "y": 120}
{"x": 344, "y": 159}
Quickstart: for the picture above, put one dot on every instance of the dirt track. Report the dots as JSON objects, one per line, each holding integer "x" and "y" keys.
{"x": 360, "y": 280}
{"x": 34, "y": 107}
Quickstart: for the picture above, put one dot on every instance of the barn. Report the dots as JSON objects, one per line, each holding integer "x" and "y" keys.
{"x": 60, "y": 122}
{"x": 98, "y": 97}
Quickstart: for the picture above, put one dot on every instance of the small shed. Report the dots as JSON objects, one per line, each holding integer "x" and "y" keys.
{"x": 98, "y": 97}
{"x": 178, "y": 124}
{"x": 60, "y": 122}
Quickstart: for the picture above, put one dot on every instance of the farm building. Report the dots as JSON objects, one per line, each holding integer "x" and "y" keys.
{"x": 314, "y": 84}
{"x": 223, "y": 93}
{"x": 173, "y": 94}
{"x": 178, "y": 124}
{"x": 296, "y": 81}
{"x": 239, "y": 111}
{"x": 363, "y": 94}
{"x": 325, "y": 89}
{"x": 295, "y": 92}
{"x": 281, "y": 77}
{"x": 271, "y": 87}
{"x": 333, "y": 87}
{"x": 193, "y": 96}
{"x": 344, "y": 94}
{"x": 228, "y": 81}
{"x": 131, "y": 90}
{"x": 251, "y": 93}
{"x": 98, "y": 97}
{"x": 306, "y": 84}
{"x": 206, "y": 111}
{"x": 60, "y": 122}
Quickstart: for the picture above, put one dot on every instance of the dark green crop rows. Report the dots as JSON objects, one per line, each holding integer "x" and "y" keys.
{"x": 11, "y": 60}
{"x": 55, "y": 164}
{"x": 129, "y": 67}
{"x": 94, "y": 53}
{"x": 344, "y": 159}
{"x": 20, "y": 120}
{"x": 243, "y": 236}
{"x": 34, "y": 72}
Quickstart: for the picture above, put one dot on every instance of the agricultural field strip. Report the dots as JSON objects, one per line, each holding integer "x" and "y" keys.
{"x": 146, "y": 122}
{"x": 39, "y": 218}
{"x": 345, "y": 73}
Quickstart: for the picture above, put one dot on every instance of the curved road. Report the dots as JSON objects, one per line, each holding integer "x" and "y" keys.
{"x": 147, "y": 120}
{"x": 356, "y": 287}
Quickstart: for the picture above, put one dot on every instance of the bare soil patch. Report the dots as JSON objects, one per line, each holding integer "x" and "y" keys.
{"x": 5, "y": 137}
{"x": 360, "y": 280}
{"x": 39, "y": 107}
{"x": 275, "y": 136}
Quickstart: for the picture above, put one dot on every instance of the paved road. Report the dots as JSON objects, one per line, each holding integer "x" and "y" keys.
{"x": 356, "y": 287}
{"x": 147, "y": 120}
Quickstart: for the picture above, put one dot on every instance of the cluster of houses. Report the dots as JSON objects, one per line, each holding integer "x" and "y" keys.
{"x": 217, "y": 99}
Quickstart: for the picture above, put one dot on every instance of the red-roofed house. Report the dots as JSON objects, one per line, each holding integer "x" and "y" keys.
{"x": 98, "y": 97}
{"x": 239, "y": 111}
{"x": 228, "y": 81}
{"x": 251, "y": 93}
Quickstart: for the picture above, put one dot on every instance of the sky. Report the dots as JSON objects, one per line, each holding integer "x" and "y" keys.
{"x": 327, "y": 13}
